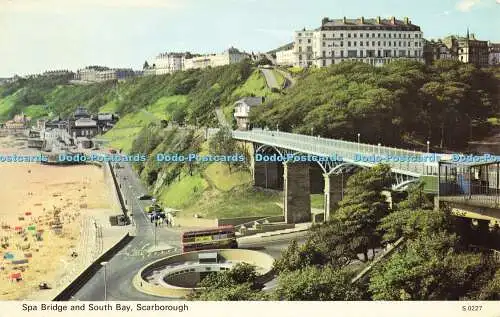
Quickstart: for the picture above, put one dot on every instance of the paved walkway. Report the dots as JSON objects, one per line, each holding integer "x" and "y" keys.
{"x": 270, "y": 78}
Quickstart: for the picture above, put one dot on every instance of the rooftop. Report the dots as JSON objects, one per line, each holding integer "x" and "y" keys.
{"x": 391, "y": 22}
{"x": 251, "y": 101}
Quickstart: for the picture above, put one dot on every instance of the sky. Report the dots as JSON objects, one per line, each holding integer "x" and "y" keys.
{"x": 40, "y": 35}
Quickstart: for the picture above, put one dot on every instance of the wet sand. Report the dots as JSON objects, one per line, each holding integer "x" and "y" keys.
{"x": 52, "y": 200}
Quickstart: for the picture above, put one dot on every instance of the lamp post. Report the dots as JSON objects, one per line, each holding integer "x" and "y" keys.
{"x": 428, "y": 143}
{"x": 359, "y": 136}
{"x": 104, "y": 263}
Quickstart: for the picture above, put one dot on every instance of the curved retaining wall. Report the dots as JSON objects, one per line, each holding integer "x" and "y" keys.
{"x": 256, "y": 258}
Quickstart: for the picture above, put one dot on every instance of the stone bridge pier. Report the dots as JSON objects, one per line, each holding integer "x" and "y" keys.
{"x": 334, "y": 189}
{"x": 296, "y": 192}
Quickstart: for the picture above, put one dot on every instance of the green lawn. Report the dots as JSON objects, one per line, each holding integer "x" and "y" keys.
{"x": 36, "y": 111}
{"x": 137, "y": 119}
{"x": 122, "y": 138}
{"x": 317, "y": 201}
{"x": 180, "y": 194}
{"x": 110, "y": 107}
{"x": 6, "y": 104}
{"x": 165, "y": 106}
{"x": 217, "y": 174}
{"x": 241, "y": 202}
{"x": 255, "y": 85}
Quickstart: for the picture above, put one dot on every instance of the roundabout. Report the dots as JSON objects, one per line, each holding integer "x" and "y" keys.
{"x": 178, "y": 275}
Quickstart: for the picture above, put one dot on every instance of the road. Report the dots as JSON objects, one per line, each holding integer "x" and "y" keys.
{"x": 126, "y": 263}
{"x": 121, "y": 269}
{"x": 270, "y": 78}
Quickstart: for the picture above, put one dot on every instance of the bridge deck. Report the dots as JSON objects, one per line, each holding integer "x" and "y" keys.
{"x": 351, "y": 152}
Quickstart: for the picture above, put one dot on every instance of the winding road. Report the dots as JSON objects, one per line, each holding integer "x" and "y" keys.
{"x": 121, "y": 269}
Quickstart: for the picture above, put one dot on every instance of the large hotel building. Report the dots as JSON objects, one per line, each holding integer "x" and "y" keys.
{"x": 374, "y": 41}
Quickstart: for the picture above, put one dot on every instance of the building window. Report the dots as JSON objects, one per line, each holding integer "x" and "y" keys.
{"x": 341, "y": 34}
{"x": 360, "y": 43}
{"x": 361, "y": 35}
{"x": 349, "y": 35}
{"x": 349, "y": 44}
{"x": 352, "y": 53}
{"x": 308, "y": 41}
{"x": 324, "y": 54}
{"x": 355, "y": 35}
{"x": 373, "y": 43}
{"x": 378, "y": 35}
{"x": 384, "y": 43}
{"x": 367, "y": 43}
{"x": 360, "y": 53}
{"x": 395, "y": 43}
{"x": 342, "y": 44}
{"x": 324, "y": 44}
{"x": 341, "y": 53}
{"x": 324, "y": 35}
{"x": 355, "y": 43}
{"x": 389, "y": 43}
{"x": 373, "y": 34}
{"x": 399, "y": 35}
{"x": 324, "y": 63}
{"x": 379, "y": 54}
{"x": 300, "y": 41}
{"x": 389, "y": 35}
{"x": 378, "y": 43}
{"x": 399, "y": 44}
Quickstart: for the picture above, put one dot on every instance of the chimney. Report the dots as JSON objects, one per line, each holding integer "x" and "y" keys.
{"x": 407, "y": 21}
{"x": 362, "y": 20}
{"x": 378, "y": 20}
{"x": 393, "y": 20}
{"x": 345, "y": 20}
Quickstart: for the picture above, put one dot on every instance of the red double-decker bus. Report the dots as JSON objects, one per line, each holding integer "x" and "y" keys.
{"x": 223, "y": 237}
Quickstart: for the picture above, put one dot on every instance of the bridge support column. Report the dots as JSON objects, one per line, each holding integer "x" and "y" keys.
{"x": 265, "y": 174}
{"x": 334, "y": 187}
{"x": 296, "y": 192}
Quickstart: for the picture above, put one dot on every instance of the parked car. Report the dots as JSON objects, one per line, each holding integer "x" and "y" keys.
{"x": 144, "y": 197}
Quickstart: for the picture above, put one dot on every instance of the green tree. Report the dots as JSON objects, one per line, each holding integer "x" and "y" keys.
{"x": 222, "y": 143}
{"x": 431, "y": 267}
{"x": 239, "y": 283}
{"x": 363, "y": 206}
{"x": 313, "y": 284}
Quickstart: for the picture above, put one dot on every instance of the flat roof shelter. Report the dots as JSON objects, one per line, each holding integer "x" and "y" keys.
{"x": 470, "y": 183}
{"x": 208, "y": 257}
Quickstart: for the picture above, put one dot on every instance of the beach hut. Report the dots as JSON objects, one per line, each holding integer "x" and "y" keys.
{"x": 18, "y": 228}
{"x": 27, "y": 213}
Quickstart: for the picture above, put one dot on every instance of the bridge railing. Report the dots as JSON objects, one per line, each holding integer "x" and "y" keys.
{"x": 362, "y": 154}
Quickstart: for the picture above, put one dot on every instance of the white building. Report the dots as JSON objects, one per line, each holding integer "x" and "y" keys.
{"x": 167, "y": 63}
{"x": 374, "y": 41}
{"x": 242, "y": 110}
{"x": 286, "y": 58}
{"x": 230, "y": 56}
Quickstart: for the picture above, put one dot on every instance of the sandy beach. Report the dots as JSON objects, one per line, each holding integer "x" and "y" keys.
{"x": 42, "y": 213}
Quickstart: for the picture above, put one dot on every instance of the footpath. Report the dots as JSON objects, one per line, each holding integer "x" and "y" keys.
{"x": 96, "y": 236}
